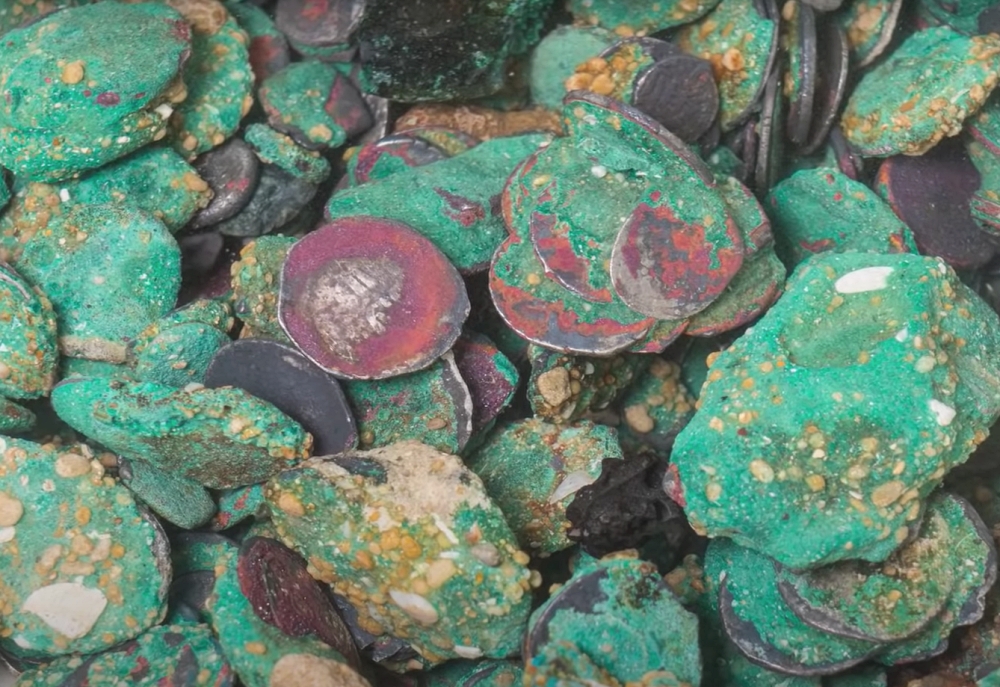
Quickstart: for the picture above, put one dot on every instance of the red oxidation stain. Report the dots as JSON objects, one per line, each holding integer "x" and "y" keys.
{"x": 108, "y": 99}
{"x": 672, "y": 485}
{"x": 464, "y": 211}
{"x": 315, "y": 10}
{"x": 550, "y": 238}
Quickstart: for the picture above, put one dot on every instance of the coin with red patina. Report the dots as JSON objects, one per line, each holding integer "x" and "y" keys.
{"x": 368, "y": 298}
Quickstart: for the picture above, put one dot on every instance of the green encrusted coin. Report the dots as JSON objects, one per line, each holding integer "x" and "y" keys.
{"x": 84, "y": 568}
{"x": 756, "y": 286}
{"x": 870, "y": 26}
{"x": 218, "y": 77}
{"x": 564, "y": 388}
{"x": 483, "y": 673}
{"x": 264, "y": 656}
{"x": 193, "y": 552}
{"x": 180, "y": 655}
{"x": 100, "y": 78}
{"x": 450, "y": 202}
{"x": 14, "y": 418}
{"x": 555, "y": 59}
{"x": 87, "y": 257}
{"x": 17, "y": 12}
{"x": 218, "y": 437}
{"x": 820, "y": 209}
{"x": 269, "y": 50}
{"x": 747, "y": 212}
{"x": 215, "y": 314}
{"x": 175, "y": 498}
{"x": 29, "y": 355}
{"x": 741, "y": 43}
{"x": 236, "y": 505}
{"x": 922, "y": 93}
{"x": 616, "y": 616}
{"x": 155, "y": 179}
{"x": 962, "y": 15}
{"x": 297, "y": 99}
{"x": 888, "y": 601}
{"x": 275, "y": 148}
{"x": 822, "y": 429}
{"x": 972, "y": 556}
{"x": 432, "y": 406}
{"x": 760, "y": 624}
{"x": 255, "y": 278}
{"x": 429, "y": 560}
{"x": 655, "y": 408}
{"x": 179, "y": 355}
{"x": 633, "y": 16}
{"x": 532, "y": 470}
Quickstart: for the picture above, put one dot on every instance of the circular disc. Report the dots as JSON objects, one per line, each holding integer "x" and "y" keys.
{"x": 931, "y": 194}
{"x": 665, "y": 267}
{"x": 232, "y": 171}
{"x": 680, "y": 93}
{"x": 390, "y": 154}
{"x": 368, "y": 298}
{"x": 284, "y": 377}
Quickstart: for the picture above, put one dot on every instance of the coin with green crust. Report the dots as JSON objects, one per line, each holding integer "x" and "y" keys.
{"x": 822, "y": 430}
{"x": 218, "y": 78}
{"x": 655, "y": 408}
{"x": 255, "y": 278}
{"x": 175, "y": 498}
{"x": 430, "y": 559}
{"x": 869, "y": 26}
{"x": 821, "y": 209}
{"x": 14, "y": 418}
{"x": 532, "y": 470}
{"x": 296, "y": 99}
{"x": 17, "y": 12}
{"x": 179, "y": 355}
{"x": 219, "y": 438}
{"x": 740, "y": 42}
{"x": 155, "y": 179}
{"x": 176, "y": 654}
{"x": 101, "y": 79}
{"x": 84, "y": 568}
{"x": 29, "y": 354}
{"x": 275, "y": 148}
{"x": 85, "y": 257}
{"x": 962, "y": 15}
{"x": 555, "y": 59}
{"x": 922, "y": 93}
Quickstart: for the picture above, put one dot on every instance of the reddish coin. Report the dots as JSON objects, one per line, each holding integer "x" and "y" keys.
{"x": 369, "y": 298}
{"x": 669, "y": 268}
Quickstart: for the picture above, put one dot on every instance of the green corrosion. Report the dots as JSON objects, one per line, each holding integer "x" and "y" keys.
{"x": 179, "y": 355}
{"x": 297, "y": 96}
{"x": 198, "y": 552}
{"x": 17, "y": 12}
{"x": 532, "y": 470}
{"x": 156, "y": 180}
{"x": 633, "y": 16}
{"x": 822, "y": 430}
{"x": 963, "y": 15}
{"x": 869, "y": 26}
{"x": 14, "y": 418}
{"x": 615, "y": 619}
{"x": 109, "y": 270}
{"x": 655, "y": 408}
{"x": 431, "y": 406}
{"x": 28, "y": 330}
{"x": 817, "y": 210}
{"x": 167, "y": 654}
{"x": 237, "y": 505}
{"x": 261, "y": 654}
{"x": 255, "y": 280}
{"x": 97, "y": 76}
{"x": 219, "y": 438}
{"x": 738, "y": 42}
{"x": 175, "y": 498}
{"x": 275, "y": 148}
{"x": 450, "y": 202}
{"x": 70, "y": 533}
{"x": 750, "y": 579}
{"x": 922, "y": 93}
{"x": 219, "y": 84}
{"x": 409, "y": 537}
{"x": 565, "y": 388}
{"x": 556, "y": 57}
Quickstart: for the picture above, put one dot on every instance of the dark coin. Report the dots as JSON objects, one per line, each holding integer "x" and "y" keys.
{"x": 319, "y": 23}
{"x": 278, "y": 198}
{"x": 931, "y": 194}
{"x": 833, "y": 60}
{"x": 770, "y": 140}
{"x": 275, "y": 581}
{"x": 803, "y": 60}
{"x": 491, "y": 386}
{"x": 582, "y": 594}
{"x": 680, "y": 93}
{"x": 347, "y": 107}
{"x": 848, "y": 161}
{"x": 199, "y": 254}
{"x": 367, "y": 298}
{"x": 232, "y": 171}
{"x": 653, "y": 48}
{"x": 292, "y": 383}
